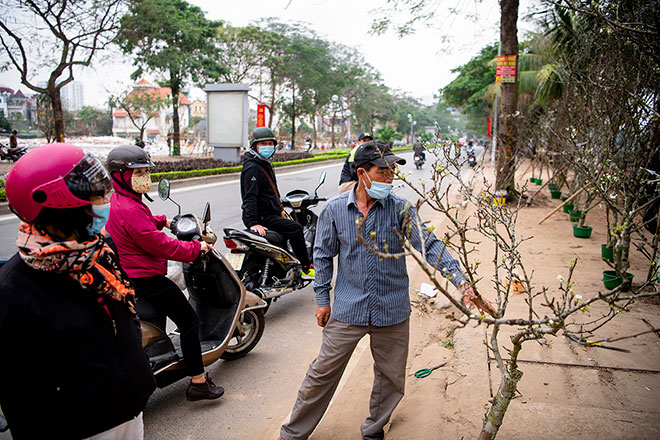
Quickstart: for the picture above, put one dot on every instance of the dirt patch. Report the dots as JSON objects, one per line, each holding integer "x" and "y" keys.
{"x": 567, "y": 391}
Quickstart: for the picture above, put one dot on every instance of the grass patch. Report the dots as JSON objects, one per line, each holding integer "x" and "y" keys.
{"x": 449, "y": 342}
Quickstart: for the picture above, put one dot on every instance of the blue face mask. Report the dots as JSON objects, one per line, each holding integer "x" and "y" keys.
{"x": 378, "y": 190}
{"x": 103, "y": 212}
{"x": 266, "y": 151}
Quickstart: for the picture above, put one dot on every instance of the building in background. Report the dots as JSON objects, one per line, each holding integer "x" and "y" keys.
{"x": 73, "y": 96}
{"x": 16, "y": 106}
{"x": 198, "y": 109}
{"x": 160, "y": 125}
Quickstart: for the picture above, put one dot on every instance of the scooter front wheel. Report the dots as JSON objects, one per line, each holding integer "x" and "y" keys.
{"x": 247, "y": 334}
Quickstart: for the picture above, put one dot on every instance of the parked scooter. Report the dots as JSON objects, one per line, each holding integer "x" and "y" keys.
{"x": 267, "y": 265}
{"x": 231, "y": 319}
{"x": 419, "y": 161}
{"x": 11, "y": 154}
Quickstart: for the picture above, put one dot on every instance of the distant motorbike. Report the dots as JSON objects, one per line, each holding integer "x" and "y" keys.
{"x": 231, "y": 319}
{"x": 11, "y": 154}
{"x": 266, "y": 265}
{"x": 471, "y": 159}
{"x": 419, "y": 161}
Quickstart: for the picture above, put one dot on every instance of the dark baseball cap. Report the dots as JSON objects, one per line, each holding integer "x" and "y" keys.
{"x": 365, "y": 135}
{"x": 377, "y": 153}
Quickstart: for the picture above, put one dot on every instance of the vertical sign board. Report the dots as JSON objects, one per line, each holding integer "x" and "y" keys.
{"x": 261, "y": 115}
{"x": 506, "y": 69}
{"x": 489, "y": 120}
{"x": 227, "y": 119}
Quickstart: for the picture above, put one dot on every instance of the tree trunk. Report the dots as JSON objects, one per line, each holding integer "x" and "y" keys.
{"x": 272, "y": 100}
{"x": 507, "y": 130}
{"x": 175, "y": 119}
{"x": 58, "y": 114}
{"x": 313, "y": 121}
{"x": 500, "y": 404}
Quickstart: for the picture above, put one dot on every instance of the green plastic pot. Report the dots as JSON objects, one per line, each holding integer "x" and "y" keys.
{"x": 568, "y": 208}
{"x": 539, "y": 181}
{"x": 582, "y": 232}
{"x": 555, "y": 194}
{"x": 611, "y": 280}
{"x": 575, "y": 215}
{"x": 532, "y": 179}
{"x": 552, "y": 187}
{"x": 607, "y": 252}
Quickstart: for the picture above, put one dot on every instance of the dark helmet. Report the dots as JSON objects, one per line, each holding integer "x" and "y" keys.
{"x": 128, "y": 156}
{"x": 262, "y": 134}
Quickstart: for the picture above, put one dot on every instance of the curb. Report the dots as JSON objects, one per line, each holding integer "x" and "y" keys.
{"x": 205, "y": 180}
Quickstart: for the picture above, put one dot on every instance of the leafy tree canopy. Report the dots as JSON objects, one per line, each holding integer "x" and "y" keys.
{"x": 466, "y": 92}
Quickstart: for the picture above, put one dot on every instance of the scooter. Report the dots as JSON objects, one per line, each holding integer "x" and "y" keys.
{"x": 419, "y": 161}
{"x": 231, "y": 318}
{"x": 471, "y": 159}
{"x": 11, "y": 154}
{"x": 267, "y": 265}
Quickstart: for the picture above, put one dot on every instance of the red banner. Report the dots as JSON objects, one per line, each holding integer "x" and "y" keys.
{"x": 506, "y": 69}
{"x": 490, "y": 126}
{"x": 261, "y": 115}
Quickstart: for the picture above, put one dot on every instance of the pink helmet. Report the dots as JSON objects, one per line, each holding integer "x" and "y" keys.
{"x": 54, "y": 176}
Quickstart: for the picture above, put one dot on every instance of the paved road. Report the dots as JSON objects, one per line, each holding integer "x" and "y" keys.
{"x": 260, "y": 388}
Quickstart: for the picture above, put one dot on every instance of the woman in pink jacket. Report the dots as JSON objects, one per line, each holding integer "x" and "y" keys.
{"x": 143, "y": 253}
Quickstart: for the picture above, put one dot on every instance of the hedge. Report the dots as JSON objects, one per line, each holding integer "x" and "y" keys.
{"x": 318, "y": 157}
{"x": 172, "y": 175}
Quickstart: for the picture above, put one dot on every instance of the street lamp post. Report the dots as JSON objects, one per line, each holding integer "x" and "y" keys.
{"x": 411, "y": 127}
{"x": 335, "y": 98}
{"x": 348, "y": 126}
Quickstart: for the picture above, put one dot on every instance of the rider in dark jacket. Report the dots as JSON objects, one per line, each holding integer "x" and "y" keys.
{"x": 71, "y": 363}
{"x": 262, "y": 206}
{"x": 349, "y": 176}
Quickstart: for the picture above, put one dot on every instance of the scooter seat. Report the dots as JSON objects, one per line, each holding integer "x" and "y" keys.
{"x": 272, "y": 237}
{"x": 275, "y": 237}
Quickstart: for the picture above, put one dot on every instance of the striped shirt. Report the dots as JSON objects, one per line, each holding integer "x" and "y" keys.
{"x": 370, "y": 291}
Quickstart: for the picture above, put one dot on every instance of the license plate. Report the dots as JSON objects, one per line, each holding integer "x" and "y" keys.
{"x": 235, "y": 260}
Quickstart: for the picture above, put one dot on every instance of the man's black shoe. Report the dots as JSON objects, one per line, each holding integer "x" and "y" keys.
{"x": 204, "y": 391}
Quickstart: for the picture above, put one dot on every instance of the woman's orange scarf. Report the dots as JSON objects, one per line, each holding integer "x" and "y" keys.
{"x": 91, "y": 263}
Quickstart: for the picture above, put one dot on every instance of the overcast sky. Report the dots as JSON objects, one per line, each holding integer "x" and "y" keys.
{"x": 419, "y": 64}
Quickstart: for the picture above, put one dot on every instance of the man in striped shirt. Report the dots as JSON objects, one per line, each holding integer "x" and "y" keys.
{"x": 370, "y": 295}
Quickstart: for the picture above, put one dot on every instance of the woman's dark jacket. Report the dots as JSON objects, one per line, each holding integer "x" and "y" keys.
{"x": 69, "y": 367}
{"x": 257, "y": 193}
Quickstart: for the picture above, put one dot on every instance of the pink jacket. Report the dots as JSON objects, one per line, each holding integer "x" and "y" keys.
{"x": 143, "y": 249}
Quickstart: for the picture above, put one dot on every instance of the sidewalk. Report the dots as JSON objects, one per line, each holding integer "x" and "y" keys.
{"x": 566, "y": 392}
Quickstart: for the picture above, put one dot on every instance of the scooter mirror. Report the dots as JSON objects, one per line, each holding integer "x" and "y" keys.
{"x": 164, "y": 189}
{"x": 206, "y": 217}
{"x": 321, "y": 180}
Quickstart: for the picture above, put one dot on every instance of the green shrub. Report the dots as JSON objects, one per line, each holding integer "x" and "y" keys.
{"x": 172, "y": 175}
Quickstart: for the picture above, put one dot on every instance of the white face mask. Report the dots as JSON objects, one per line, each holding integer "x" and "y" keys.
{"x": 141, "y": 184}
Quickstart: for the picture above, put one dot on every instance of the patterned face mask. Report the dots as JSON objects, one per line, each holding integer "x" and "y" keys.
{"x": 141, "y": 184}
